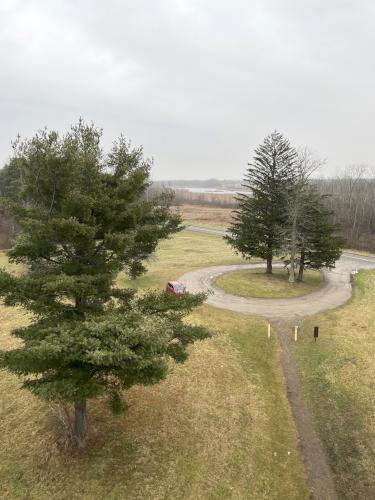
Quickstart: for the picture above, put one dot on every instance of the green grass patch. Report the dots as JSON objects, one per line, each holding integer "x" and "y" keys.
{"x": 338, "y": 373}
{"x": 256, "y": 283}
{"x": 185, "y": 251}
{"x": 219, "y": 427}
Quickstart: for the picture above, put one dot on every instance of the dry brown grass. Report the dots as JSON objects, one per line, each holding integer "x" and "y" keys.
{"x": 205, "y": 216}
{"x": 219, "y": 427}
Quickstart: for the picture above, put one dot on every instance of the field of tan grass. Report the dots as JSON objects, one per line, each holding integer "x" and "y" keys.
{"x": 205, "y": 216}
{"x": 218, "y": 428}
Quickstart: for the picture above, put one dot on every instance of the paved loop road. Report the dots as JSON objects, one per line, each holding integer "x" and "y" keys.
{"x": 335, "y": 291}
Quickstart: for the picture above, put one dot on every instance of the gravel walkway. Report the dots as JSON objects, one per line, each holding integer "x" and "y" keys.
{"x": 335, "y": 291}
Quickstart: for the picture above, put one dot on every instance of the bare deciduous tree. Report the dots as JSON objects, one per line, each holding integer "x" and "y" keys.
{"x": 298, "y": 200}
{"x": 352, "y": 199}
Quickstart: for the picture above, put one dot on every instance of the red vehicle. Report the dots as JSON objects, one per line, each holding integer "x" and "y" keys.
{"x": 176, "y": 287}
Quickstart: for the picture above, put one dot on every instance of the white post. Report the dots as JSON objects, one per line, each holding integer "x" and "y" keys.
{"x": 295, "y": 333}
{"x": 269, "y": 330}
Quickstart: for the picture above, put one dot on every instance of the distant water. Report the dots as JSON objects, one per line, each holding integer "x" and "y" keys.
{"x": 209, "y": 190}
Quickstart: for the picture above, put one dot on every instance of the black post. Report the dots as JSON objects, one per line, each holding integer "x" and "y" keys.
{"x": 316, "y": 332}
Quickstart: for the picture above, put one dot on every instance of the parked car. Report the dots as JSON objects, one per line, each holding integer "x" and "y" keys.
{"x": 176, "y": 287}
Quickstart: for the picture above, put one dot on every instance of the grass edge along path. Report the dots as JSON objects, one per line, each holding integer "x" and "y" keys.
{"x": 315, "y": 458}
{"x": 338, "y": 373}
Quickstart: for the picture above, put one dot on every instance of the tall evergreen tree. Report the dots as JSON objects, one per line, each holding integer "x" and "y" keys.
{"x": 257, "y": 230}
{"x": 84, "y": 217}
{"x": 319, "y": 242}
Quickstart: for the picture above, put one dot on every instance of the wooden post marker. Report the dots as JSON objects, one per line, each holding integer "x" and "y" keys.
{"x": 295, "y": 333}
{"x": 269, "y": 330}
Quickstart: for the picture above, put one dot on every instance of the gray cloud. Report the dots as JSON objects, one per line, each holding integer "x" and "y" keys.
{"x": 199, "y": 83}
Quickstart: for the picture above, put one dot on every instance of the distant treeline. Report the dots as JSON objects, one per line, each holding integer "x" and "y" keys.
{"x": 183, "y": 196}
{"x": 351, "y": 197}
{"x": 223, "y": 200}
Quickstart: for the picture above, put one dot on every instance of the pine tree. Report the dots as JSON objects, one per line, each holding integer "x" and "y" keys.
{"x": 319, "y": 242}
{"x": 257, "y": 230}
{"x": 84, "y": 217}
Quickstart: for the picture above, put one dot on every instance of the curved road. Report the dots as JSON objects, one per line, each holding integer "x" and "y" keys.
{"x": 335, "y": 291}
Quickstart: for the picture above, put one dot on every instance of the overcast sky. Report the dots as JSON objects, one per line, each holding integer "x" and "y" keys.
{"x": 198, "y": 82}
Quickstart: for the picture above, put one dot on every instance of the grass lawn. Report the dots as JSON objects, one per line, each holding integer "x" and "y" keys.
{"x": 187, "y": 250}
{"x": 339, "y": 377}
{"x": 219, "y": 427}
{"x": 256, "y": 283}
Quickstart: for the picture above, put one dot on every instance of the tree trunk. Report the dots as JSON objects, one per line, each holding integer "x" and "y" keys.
{"x": 292, "y": 274}
{"x": 301, "y": 266}
{"x": 269, "y": 265}
{"x": 292, "y": 270}
{"x": 293, "y": 243}
{"x": 80, "y": 422}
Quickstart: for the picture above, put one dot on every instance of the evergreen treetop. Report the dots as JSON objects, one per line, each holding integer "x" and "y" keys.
{"x": 259, "y": 219}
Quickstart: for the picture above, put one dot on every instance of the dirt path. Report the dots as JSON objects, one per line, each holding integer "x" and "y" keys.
{"x": 284, "y": 314}
{"x": 314, "y": 456}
